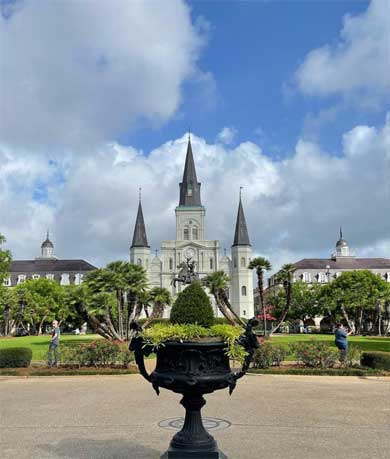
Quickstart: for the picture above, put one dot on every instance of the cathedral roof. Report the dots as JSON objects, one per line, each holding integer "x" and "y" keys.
{"x": 241, "y": 236}
{"x": 139, "y": 236}
{"x": 189, "y": 187}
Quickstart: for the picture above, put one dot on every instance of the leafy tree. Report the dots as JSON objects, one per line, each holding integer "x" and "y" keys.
{"x": 128, "y": 283}
{"x": 217, "y": 283}
{"x": 8, "y": 309}
{"x": 359, "y": 297}
{"x": 5, "y": 260}
{"x": 40, "y": 301}
{"x": 160, "y": 297}
{"x": 261, "y": 264}
{"x": 284, "y": 278}
{"x": 304, "y": 300}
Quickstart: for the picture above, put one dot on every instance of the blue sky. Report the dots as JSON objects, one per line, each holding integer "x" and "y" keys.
{"x": 253, "y": 49}
{"x": 290, "y": 99}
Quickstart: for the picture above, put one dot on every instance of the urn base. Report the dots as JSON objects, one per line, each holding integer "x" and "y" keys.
{"x": 174, "y": 453}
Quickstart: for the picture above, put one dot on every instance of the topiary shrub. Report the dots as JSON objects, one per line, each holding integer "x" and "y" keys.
{"x": 15, "y": 357}
{"x": 376, "y": 359}
{"x": 193, "y": 306}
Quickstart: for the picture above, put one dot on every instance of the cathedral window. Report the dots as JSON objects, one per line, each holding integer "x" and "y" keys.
{"x": 243, "y": 262}
{"x": 244, "y": 312}
{"x": 171, "y": 264}
{"x": 243, "y": 290}
{"x": 195, "y": 233}
{"x": 139, "y": 262}
{"x": 211, "y": 263}
{"x": 186, "y": 234}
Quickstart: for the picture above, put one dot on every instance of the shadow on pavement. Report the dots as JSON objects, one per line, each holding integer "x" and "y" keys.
{"x": 88, "y": 448}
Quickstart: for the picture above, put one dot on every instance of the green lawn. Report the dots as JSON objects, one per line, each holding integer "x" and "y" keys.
{"x": 364, "y": 343}
{"x": 40, "y": 344}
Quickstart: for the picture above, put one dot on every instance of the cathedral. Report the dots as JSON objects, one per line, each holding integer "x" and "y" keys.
{"x": 191, "y": 243}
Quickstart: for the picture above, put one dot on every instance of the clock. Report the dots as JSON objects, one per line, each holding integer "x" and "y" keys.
{"x": 189, "y": 253}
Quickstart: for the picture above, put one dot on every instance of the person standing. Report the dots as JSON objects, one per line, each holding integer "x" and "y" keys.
{"x": 54, "y": 344}
{"x": 341, "y": 340}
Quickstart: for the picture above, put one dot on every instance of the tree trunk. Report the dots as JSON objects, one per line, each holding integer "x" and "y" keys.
{"x": 351, "y": 325}
{"x": 227, "y": 311}
{"x": 157, "y": 313}
{"x": 119, "y": 298}
{"x": 287, "y": 289}
{"x": 40, "y": 325}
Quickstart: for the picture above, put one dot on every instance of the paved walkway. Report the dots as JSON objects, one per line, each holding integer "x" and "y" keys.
{"x": 271, "y": 416}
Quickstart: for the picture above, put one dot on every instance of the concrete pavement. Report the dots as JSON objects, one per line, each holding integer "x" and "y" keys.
{"x": 271, "y": 416}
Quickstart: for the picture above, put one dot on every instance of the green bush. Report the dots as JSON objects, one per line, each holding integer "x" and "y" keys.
{"x": 315, "y": 354}
{"x": 193, "y": 306}
{"x": 379, "y": 360}
{"x": 100, "y": 353}
{"x": 269, "y": 355}
{"x": 15, "y": 357}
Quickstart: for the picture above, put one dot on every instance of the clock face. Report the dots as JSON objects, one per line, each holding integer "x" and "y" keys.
{"x": 189, "y": 253}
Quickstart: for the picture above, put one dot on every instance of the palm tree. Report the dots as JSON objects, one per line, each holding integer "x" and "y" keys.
{"x": 217, "y": 283}
{"x": 160, "y": 297}
{"x": 261, "y": 264}
{"x": 285, "y": 278}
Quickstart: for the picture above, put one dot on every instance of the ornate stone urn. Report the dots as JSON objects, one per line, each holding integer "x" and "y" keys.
{"x": 194, "y": 368}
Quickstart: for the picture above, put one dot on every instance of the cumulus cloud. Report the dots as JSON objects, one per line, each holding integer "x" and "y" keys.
{"x": 358, "y": 64}
{"x": 293, "y": 207}
{"x": 84, "y": 72}
{"x": 227, "y": 135}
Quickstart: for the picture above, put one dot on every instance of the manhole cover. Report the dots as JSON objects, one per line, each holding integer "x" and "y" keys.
{"x": 209, "y": 423}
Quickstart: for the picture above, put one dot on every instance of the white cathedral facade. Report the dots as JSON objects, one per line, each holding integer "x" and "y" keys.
{"x": 191, "y": 242}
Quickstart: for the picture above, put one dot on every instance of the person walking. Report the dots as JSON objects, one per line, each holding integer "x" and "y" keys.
{"x": 54, "y": 344}
{"x": 341, "y": 341}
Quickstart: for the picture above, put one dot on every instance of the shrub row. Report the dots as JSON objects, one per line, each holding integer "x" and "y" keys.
{"x": 380, "y": 360}
{"x": 312, "y": 354}
{"x": 98, "y": 354}
{"x": 15, "y": 357}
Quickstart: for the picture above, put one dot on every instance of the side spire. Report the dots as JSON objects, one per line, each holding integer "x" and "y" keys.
{"x": 241, "y": 236}
{"x": 189, "y": 187}
{"x": 139, "y": 236}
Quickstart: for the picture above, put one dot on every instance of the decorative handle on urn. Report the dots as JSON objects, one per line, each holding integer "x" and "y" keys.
{"x": 248, "y": 341}
{"x": 140, "y": 350}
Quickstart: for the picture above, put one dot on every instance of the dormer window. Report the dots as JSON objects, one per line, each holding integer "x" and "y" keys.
{"x": 7, "y": 282}
{"x": 36, "y": 276}
{"x": 388, "y": 276}
{"x": 21, "y": 278}
{"x": 306, "y": 277}
{"x": 321, "y": 278}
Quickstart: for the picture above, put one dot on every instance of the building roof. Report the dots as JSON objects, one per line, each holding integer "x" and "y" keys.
{"x": 343, "y": 263}
{"x": 49, "y": 265}
{"x": 139, "y": 236}
{"x": 189, "y": 187}
{"x": 241, "y": 236}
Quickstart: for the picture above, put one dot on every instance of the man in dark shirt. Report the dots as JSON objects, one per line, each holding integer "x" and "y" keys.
{"x": 54, "y": 343}
{"x": 341, "y": 340}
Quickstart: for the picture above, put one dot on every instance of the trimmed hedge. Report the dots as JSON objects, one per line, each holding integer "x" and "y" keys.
{"x": 15, "y": 357}
{"x": 193, "y": 306}
{"x": 379, "y": 360}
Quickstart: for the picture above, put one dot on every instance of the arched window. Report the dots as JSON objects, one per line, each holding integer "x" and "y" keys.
{"x": 139, "y": 262}
{"x": 171, "y": 264}
{"x": 243, "y": 262}
{"x": 186, "y": 234}
{"x": 244, "y": 312}
{"x": 243, "y": 290}
{"x": 211, "y": 263}
{"x": 195, "y": 233}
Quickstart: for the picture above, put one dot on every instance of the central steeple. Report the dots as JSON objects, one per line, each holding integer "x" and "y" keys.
{"x": 241, "y": 236}
{"x": 190, "y": 187}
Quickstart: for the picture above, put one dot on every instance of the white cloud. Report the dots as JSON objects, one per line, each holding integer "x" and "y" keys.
{"x": 227, "y": 135}
{"x": 83, "y": 72}
{"x": 293, "y": 207}
{"x": 358, "y": 64}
